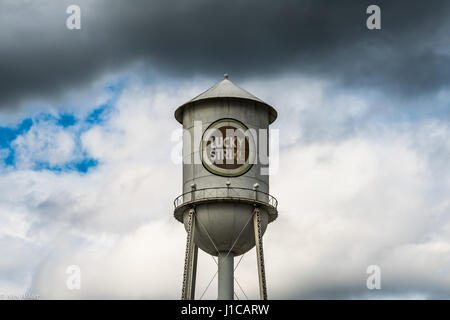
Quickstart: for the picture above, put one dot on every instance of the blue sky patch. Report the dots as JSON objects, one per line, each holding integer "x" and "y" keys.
{"x": 99, "y": 114}
{"x": 8, "y": 135}
{"x": 81, "y": 166}
{"x": 102, "y": 113}
{"x": 68, "y": 121}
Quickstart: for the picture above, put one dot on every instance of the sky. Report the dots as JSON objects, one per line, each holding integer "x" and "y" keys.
{"x": 87, "y": 135}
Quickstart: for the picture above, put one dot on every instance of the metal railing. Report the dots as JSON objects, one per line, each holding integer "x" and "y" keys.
{"x": 225, "y": 193}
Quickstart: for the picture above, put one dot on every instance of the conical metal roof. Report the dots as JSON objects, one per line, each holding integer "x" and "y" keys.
{"x": 225, "y": 89}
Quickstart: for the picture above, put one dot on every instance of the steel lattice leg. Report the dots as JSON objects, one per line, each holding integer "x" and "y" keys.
{"x": 260, "y": 254}
{"x": 190, "y": 261}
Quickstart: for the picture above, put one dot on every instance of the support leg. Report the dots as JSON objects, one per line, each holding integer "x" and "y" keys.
{"x": 226, "y": 276}
{"x": 260, "y": 254}
{"x": 190, "y": 261}
{"x": 193, "y": 273}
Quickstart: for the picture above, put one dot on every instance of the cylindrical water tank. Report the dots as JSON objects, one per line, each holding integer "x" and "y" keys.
{"x": 225, "y": 134}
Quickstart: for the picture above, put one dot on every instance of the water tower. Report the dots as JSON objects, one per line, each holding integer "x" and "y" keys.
{"x": 225, "y": 205}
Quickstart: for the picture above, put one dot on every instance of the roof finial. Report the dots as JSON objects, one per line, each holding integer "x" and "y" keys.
{"x": 225, "y": 76}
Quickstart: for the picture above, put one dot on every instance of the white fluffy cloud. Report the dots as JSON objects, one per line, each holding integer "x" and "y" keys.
{"x": 45, "y": 142}
{"x": 377, "y": 195}
{"x": 357, "y": 203}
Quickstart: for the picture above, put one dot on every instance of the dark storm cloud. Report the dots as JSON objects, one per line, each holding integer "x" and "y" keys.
{"x": 39, "y": 57}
